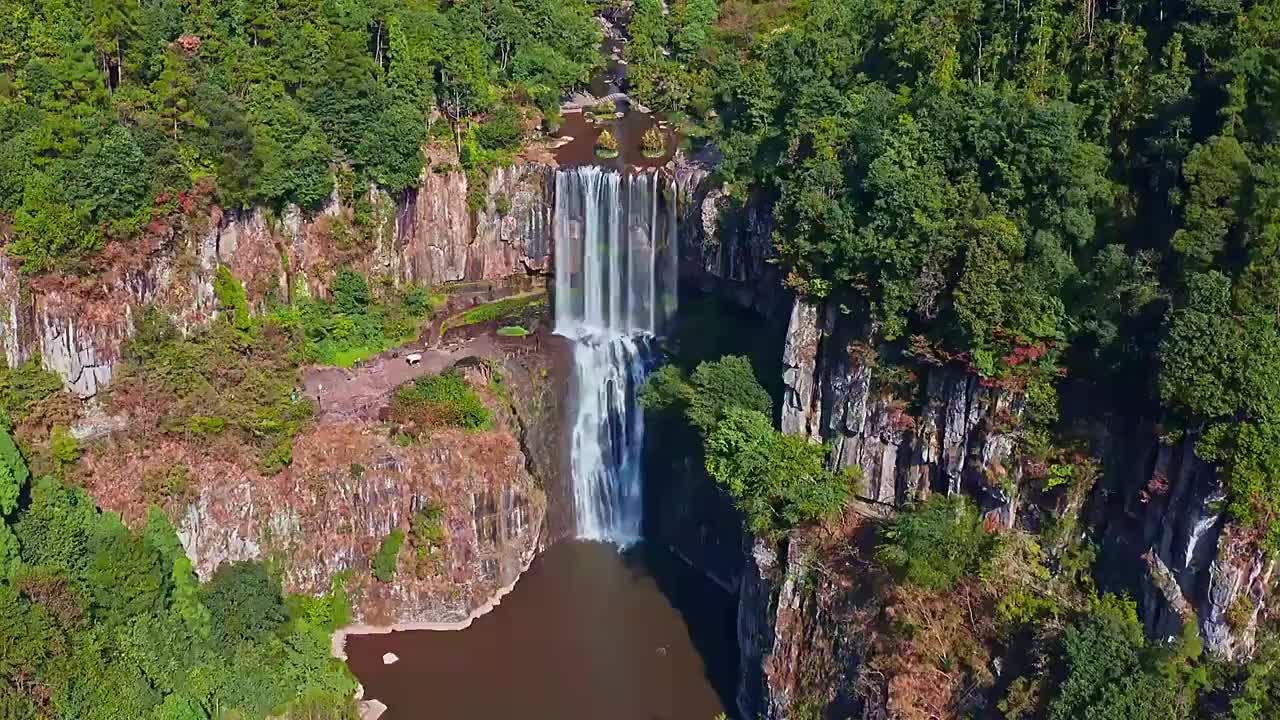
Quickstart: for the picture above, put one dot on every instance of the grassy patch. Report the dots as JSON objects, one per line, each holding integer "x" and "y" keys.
{"x": 444, "y": 400}
{"x": 358, "y": 321}
{"x": 384, "y": 563}
{"x": 506, "y": 309}
{"x": 512, "y": 331}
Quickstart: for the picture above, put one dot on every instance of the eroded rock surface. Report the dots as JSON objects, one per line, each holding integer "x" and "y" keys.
{"x": 428, "y": 236}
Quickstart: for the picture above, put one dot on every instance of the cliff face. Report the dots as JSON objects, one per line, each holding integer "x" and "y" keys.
{"x": 429, "y": 236}
{"x": 955, "y": 436}
{"x": 1196, "y": 560}
{"x": 350, "y": 485}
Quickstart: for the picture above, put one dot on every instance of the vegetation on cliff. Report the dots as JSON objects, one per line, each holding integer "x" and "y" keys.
{"x": 1026, "y": 190}
{"x": 109, "y": 110}
{"x": 97, "y": 621}
{"x": 444, "y": 400}
{"x": 778, "y": 481}
{"x": 234, "y": 383}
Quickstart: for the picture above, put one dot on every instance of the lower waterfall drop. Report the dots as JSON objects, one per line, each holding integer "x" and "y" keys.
{"x": 615, "y": 290}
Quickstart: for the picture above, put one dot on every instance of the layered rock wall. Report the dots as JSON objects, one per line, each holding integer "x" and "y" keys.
{"x": 955, "y": 435}
{"x": 349, "y": 486}
{"x": 429, "y": 236}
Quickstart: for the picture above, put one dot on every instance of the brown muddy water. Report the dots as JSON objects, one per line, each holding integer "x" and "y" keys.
{"x": 588, "y": 633}
{"x": 629, "y": 131}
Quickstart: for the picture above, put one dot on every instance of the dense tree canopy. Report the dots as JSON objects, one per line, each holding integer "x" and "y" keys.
{"x": 1027, "y": 189}
{"x": 108, "y": 108}
{"x": 97, "y": 621}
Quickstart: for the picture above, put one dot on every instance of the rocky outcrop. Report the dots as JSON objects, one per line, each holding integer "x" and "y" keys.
{"x": 726, "y": 244}
{"x": 349, "y": 486}
{"x": 1198, "y": 564}
{"x": 429, "y": 236}
{"x": 959, "y": 435}
{"x": 961, "y": 439}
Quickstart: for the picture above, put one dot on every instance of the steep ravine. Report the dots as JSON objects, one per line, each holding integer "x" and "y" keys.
{"x": 328, "y": 518}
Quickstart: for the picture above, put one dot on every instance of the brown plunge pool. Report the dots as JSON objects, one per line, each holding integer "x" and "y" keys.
{"x": 589, "y": 633}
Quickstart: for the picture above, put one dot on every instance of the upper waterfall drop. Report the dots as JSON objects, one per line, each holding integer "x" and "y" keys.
{"x": 615, "y": 274}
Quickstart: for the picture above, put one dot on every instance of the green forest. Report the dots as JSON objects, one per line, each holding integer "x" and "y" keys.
{"x": 1067, "y": 200}
{"x": 1061, "y": 198}
{"x": 113, "y": 112}
{"x": 1049, "y": 194}
{"x": 98, "y": 621}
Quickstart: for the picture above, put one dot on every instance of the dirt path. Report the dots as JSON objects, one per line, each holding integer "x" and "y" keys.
{"x": 361, "y": 391}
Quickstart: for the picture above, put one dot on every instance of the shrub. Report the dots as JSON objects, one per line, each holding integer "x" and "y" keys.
{"x": 935, "y": 544}
{"x": 607, "y": 145}
{"x": 350, "y": 292}
{"x": 65, "y": 447}
{"x": 170, "y": 484}
{"x": 729, "y": 382}
{"x": 779, "y": 481}
{"x": 653, "y": 143}
{"x": 502, "y": 204}
{"x": 232, "y": 300}
{"x": 444, "y": 399}
{"x": 502, "y": 131}
{"x": 23, "y": 388}
{"x": 201, "y": 425}
{"x": 713, "y": 389}
{"x": 428, "y": 529}
{"x": 1111, "y": 672}
{"x": 384, "y": 563}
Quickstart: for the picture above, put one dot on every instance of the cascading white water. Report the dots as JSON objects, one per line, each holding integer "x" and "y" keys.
{"x": 615, "y": 260}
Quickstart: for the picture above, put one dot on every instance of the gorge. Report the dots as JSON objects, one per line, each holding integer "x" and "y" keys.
{"x": 679, "y": 359}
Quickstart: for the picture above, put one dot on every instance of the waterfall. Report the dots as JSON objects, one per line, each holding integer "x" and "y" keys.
{"x": 615, "y": 262}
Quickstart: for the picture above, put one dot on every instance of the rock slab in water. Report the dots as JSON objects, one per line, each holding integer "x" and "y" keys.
{"x": 390, "y": 658}
{"x": 372, "y": 709}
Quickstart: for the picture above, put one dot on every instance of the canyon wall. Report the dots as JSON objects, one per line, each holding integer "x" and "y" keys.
{"x": 1166, "y": 539}
{"x": 350, "y": 485}
{"x": 428, "y": 236}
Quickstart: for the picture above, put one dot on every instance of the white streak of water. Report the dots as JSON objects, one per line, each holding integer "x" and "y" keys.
{"x": 615, "y": 245}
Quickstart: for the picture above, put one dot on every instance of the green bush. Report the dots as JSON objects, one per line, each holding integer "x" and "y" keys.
{"x": 935, "y": 544}
{"x": 384, "y": 563}
{"x": 778, "y": 481}
{"x": 23, "y": 388}
{"x": 441, "y": 400}
{"x": 428, "y": 529}
{"x": 232, "y": 300}
{"x": 712, "y": 389}
{"x": 1109, "y": 671}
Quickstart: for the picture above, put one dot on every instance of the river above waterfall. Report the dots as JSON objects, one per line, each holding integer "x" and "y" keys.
{"x": 587, "y": 633}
